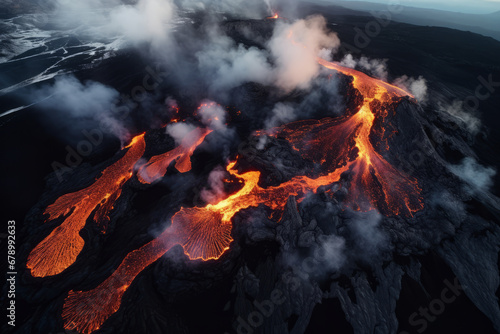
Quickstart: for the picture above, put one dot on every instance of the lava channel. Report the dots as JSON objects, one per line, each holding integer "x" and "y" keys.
{"x": 60, "y": 248}
{"x": 205, "y": 232}
{"x": 157, "y": 165}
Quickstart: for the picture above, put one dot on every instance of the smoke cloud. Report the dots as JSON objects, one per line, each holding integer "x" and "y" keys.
{"x": 149, "y": 21}
{"x": 179, "y": 131}
{"x": 289, "y": 60}
{"x": 81, "y": 101}
{"x": 295, "y": 48}
{"x": 215, "y": 190}
{"x": 480, "y": 178}
{"x": 374, "y": 67}
{"x": 213, "y": 115}
{"x": 228, "y": 65}
{"x": 281, "y": 114}
{"x": 470, "y": 121}
{"x": 418, "y": 87}
{"x": 332, "y": 249}
{"x": 367, "y": 234}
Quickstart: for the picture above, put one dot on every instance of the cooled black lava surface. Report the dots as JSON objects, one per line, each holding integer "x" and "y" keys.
{"x": 377, "y": 290}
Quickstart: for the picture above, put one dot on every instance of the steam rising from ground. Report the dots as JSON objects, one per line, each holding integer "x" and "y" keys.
{"x": 468, "y": 120}
{"x": 81, "y": 101}
{"x": 146, "y": 21}
{"x": 207, "y": 57}
{"x": 480, "y": 178}
{"x": 367, "y": 233}
{"x": 282, "y": 113}
{"x": 215, "y": 190}
{"x": 178, "y": 131}
{"x": 375, "y": 67}
{"x": 418, "y": 87}
{"x": 295, "y": 49}
{"x": 230, "y": 65}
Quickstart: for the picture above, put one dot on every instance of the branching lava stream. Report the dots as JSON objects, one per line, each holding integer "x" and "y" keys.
{"x": 338, "y": 145}
{"x": 60, "y": 248}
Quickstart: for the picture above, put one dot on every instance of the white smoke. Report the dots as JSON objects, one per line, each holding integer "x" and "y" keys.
{"x": 148, "y": 21}
{"x": 215, "y": 191}
{"x": 145, "y": 21}
{"x": 418, "y": 87}
{"x": 480, "y": 178}
{"x": 80, "y": 101}
{"x": 332, "y": 250}
{"x": 213, "y": 115}
{"x": 367, "y": 233}
{"x": 470, "y": 121}
{"x": 295, "y": 48}
{"x": 325, "y": 54}
{"x": 179, "y": 131}
{"x": 269, "y": 7}
{"x": 281, "y": 114}
{"x": 374, "y": 67}
{"x": 228, "y": 65}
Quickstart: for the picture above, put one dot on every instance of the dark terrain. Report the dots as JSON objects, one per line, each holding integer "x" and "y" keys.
{"x": 173, "y": 296}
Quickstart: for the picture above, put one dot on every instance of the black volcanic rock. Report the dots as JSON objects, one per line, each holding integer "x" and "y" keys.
{"x": 317, "y": 256}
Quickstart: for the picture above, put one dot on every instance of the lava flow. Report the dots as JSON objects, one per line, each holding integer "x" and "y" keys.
{"x": 338, "y": 145}
{"x": 60, "y": 248}
{"x": 332, "y": 143}
{"x": 157, "y": 166}
{"x": 204, "y": 233}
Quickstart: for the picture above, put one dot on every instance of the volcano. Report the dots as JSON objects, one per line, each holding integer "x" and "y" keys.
{"x": 271, "y": 180}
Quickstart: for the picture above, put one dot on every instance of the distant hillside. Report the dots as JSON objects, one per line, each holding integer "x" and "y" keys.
{"x": 484, "y": 24}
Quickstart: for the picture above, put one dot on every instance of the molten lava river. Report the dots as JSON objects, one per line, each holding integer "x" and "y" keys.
{"x": 338, "y": 145}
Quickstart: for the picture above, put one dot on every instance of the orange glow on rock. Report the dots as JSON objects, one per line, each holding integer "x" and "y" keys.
{"x": 346, "y": 142}
{"x": 60, "y": 248}
{"x": 204, "y": 233}
{"x": 157, "y": 166}
{"x": 338, "y": 145}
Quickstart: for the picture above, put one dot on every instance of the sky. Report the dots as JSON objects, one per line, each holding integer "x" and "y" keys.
{"x": 465, "y": 6}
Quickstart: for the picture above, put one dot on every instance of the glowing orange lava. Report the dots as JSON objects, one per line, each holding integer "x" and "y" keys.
{"x": 204, "y": 233}
{"x": 60, "y": 248}
{"x": 274, "y": 17}
{"x": 157, "y": 166}
{"x": 375, "y": 183}
{"x": 338, "y": 145}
